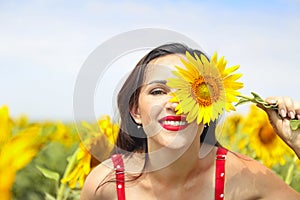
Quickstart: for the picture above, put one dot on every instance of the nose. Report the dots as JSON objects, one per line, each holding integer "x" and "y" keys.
{"x": 172, "y": 103}
{"x": 171, "y": 106}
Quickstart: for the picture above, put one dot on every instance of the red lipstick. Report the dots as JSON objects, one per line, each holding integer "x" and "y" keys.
{"x": 173, "y": 123}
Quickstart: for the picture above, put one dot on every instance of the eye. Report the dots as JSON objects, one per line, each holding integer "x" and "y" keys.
{"x": 158, "y": 91}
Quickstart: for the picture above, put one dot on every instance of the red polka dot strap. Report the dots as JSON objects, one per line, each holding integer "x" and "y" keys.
{"x": 219, "y": 182}
{"x": 120, "y": 180}
{"x": 220, "y": 173}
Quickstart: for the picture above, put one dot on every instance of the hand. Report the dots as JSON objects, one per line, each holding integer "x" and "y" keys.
{"x": 287, "y": 109}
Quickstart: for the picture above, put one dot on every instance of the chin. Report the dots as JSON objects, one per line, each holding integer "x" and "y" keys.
{"x": 174, "y": 140}
{"x": 166, "y": 136}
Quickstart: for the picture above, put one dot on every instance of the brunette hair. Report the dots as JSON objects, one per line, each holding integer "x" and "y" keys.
{"x": 131, "y": 138}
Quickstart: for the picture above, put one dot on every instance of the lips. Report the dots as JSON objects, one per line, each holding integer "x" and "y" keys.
{"x": 173, "y": 123}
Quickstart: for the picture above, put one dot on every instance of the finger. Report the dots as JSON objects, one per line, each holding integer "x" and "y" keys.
{"x": 289, "y": 105}
{"x": 282, "y": 108}
{"x": 271, "y": 113}
{"x": 297, "y": 109}
{"x": 286, "y": 130}
{"x": 271, "y": 100}
{"x": 273, "y": 116}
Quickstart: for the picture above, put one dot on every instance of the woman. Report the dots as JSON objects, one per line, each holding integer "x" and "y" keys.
{"x": 161, "y": 152}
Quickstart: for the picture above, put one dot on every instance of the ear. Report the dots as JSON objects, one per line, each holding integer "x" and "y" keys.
{"x": 135, "y": 113}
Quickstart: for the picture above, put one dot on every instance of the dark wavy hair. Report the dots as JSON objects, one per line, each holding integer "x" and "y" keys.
{"x": 130, "y": 137}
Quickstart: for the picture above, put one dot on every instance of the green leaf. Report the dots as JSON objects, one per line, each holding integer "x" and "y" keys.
{"x": 48, "y": 173}
{"x": 256, "y": 96}
{"x": 242, "y": 101}
{"x": 295, "y": 124}
{"x": 271, "y": 106}
{"x": 49, "y": 196}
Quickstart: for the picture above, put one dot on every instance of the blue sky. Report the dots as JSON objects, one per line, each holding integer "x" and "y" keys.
{"x": 43, "y": 44}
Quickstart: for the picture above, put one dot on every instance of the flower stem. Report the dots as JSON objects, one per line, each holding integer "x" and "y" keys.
{"x": 68, "y": 170}
{"x": 289, "y": 175}
{"x": 245, "y": 97}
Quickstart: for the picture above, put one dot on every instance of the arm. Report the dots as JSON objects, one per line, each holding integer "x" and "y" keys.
{"x": 288, "y": 109}
{"x": 249, "y": 179}
{"x": 272, "y": 187}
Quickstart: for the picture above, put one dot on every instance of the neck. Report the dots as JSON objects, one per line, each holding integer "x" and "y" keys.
{"x": 177, "y": 166}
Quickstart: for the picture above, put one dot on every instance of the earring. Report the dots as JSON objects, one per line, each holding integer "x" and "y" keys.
{"x": 139, "y": 126}
{"x": 205, "y": 125}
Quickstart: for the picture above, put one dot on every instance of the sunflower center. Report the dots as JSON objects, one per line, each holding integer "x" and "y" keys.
{"x": 266, "y": 134}
{"x": 206, "y": 91}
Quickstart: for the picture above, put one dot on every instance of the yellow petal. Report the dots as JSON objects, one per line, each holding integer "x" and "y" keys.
{"x": 214, "y": 57}
{"x": 193, "y": 113}
{"x": 5, "y": 124}
{"x": 191, "y": 66}
{"x": 231, "y": 70}
{"x": 186, "y": 75}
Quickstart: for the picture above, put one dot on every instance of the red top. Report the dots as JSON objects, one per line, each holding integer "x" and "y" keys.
{"x": 219, "y": 182}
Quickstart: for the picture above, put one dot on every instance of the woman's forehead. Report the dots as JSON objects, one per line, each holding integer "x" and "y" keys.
{"x": 170, "y": 59}
{"x": 161, "y": 68}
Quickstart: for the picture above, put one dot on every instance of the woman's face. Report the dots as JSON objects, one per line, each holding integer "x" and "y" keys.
{"x": 157, "y": 114}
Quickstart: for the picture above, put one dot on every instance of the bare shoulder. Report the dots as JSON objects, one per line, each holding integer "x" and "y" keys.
{"x": 249, "y": 178}
{"x": 100, "y": 183}
{"x": 241, "y": 162}
{"x": 97, "y": 185}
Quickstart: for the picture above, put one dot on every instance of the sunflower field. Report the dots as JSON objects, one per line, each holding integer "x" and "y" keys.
{"x": 49, "y": 159}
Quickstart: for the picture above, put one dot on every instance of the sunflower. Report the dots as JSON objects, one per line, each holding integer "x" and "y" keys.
{"x": 62, "y": 133}
{"x": 109, "y": 129}
{"x": 92, "y": 151}
{"x": 204, "y": 88}
{"x": 81, "y": 170}
{"x": 230, "y": 130}
{"x": 267, "y": 145}
{"x": 15, "y": 154}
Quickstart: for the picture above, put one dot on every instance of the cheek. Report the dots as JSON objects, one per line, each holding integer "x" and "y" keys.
{"x": 150, "y": 109}
{"x": 150, "y": 116}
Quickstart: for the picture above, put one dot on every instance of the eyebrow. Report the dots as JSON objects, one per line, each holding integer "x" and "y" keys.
{"x": 158, "y": 81}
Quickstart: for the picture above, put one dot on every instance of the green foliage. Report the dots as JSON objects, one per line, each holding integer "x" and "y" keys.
{"x": 31, "y": 183}
{"x": 289, "y": 172}
{"x": 49, "y": 174}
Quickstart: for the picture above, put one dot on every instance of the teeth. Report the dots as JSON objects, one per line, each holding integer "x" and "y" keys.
{"x": 175, "y": 123}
